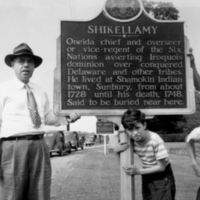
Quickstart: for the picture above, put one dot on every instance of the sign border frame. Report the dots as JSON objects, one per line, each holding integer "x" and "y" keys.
{"x": 190, "y": 108}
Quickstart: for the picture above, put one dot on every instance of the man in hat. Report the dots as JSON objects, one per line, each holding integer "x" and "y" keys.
{"x": 25, "y": 169}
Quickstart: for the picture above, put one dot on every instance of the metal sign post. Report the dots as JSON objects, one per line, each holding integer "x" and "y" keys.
{"x": 105, "y": 128}
{"x": 105, "y": 144}
{"x": 127, "y": 186}
{"x": 126, "y": 158}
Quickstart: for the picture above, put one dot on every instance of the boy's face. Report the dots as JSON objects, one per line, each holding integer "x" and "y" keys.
{"x": 138, "y": 133}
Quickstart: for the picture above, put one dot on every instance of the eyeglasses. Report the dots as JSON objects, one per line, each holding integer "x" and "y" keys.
{"x": 22, "y": 61}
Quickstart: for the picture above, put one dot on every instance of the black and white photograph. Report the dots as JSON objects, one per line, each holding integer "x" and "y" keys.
{"x": 99, "y": 100}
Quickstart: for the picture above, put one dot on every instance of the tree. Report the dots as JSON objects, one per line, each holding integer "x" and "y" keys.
{"x": 167, "y": 124}
{"x": 161, "y": 10}
{"x": 193, "y": 120}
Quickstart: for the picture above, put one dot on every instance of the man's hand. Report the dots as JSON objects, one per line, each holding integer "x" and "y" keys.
{"x": 120, "y": 147}
{"x": 131, "y": 170}
{"x": 73, "y": 117}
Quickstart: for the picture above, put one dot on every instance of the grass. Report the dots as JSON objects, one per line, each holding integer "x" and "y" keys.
{"x": 186, "y": 181}
{"x": 96, "y": 176}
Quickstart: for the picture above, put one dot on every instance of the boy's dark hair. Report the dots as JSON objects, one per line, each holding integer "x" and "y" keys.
{"x": 130, "y": 117}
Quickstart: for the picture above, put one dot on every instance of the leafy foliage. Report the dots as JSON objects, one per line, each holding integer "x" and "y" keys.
{"x": 167, "y": 124}
{"x": 161, "y": 10}
{"x": 193, "y": 120}
{"x": 170, "y": 124}
{"x": 173, "y": 137}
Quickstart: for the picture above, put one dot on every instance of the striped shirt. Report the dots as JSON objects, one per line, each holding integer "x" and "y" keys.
{"x": 151, "y": 151}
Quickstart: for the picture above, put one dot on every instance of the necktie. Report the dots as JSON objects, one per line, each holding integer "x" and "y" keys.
{"x": 32, "y": 107}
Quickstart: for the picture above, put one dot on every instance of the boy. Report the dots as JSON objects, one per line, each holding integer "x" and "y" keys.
{"x": 157, "y": 177}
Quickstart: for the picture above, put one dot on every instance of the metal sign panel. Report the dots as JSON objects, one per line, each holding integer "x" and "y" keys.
{"x": 105, "y": 127}
{"x": 106, "y": 66}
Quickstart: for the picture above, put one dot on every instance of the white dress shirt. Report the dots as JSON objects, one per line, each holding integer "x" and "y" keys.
{"x": 14, "y": 114}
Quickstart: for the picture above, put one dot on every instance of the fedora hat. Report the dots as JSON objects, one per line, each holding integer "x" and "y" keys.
{"x": 22, "y": 49}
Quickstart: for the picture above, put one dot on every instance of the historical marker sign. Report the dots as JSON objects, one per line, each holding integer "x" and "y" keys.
{"x": 105, "y": 127}
{"x": 110, "y": 65}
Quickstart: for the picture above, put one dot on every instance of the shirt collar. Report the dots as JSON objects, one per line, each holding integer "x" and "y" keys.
{"x": 30, "y": 84}
{"x": 19, "y": 85}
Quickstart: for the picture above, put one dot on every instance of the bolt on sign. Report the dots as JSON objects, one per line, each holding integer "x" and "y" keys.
{"x": 105, "y": 127}
{"x": 123, "y": 58}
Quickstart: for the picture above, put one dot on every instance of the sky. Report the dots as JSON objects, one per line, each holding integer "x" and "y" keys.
{"x": 37, "y": 23}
